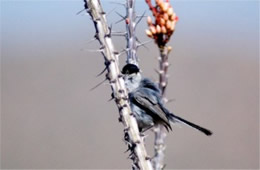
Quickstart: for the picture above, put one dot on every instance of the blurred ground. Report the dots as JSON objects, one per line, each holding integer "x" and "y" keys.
{"x": 50, "y": 118}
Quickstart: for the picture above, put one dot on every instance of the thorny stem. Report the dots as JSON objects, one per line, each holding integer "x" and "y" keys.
{"x": 161, "y": 31}
{"x": 132, "y": 136}
{"x": 163, "y": 65}
{"x": 159, "y": 147}
{"x": 159, "y": 131}
{"x": 131, "y": 34}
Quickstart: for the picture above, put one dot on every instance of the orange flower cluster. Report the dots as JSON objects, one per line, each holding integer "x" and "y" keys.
{"x": 165, "y": 21}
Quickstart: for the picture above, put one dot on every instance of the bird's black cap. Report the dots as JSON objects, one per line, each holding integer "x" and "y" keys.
{"x": 130, "y": 68}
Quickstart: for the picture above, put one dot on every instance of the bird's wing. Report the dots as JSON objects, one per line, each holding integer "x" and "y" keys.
{"x": 147, "y": 100}
{"x": 147, "y": 83}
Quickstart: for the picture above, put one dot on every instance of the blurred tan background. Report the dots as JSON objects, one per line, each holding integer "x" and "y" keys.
{"x": 51, "y": 119}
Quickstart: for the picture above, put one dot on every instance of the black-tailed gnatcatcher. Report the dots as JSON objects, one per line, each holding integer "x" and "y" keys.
{"x": 146, "y": 102}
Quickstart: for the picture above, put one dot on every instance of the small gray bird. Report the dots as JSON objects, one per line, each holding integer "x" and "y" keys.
{"x": 146, "y": 102}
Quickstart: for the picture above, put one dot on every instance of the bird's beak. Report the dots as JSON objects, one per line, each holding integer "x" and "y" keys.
{"x": 124, "y": 76}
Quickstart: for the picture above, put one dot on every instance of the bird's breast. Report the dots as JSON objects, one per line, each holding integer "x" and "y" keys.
{"x": 143, "y": 119}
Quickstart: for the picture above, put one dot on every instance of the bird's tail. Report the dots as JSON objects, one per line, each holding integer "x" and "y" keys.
{"x": 175, "y": 118}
